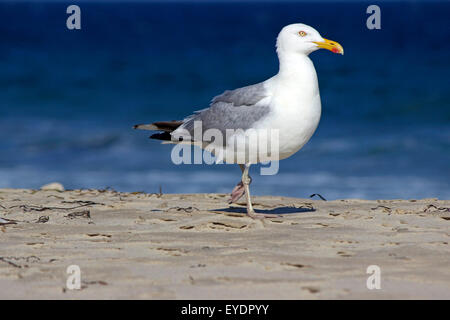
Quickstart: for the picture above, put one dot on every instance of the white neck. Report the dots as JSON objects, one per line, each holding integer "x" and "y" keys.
{"x": 295, "y": 84}
{"x": 296, "y": 66}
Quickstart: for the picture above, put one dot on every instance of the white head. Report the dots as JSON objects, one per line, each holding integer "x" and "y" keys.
{"x": 303, "y": 39}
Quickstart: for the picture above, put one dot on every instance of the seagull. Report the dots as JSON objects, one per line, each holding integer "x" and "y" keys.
{"x": 288, "y": 102}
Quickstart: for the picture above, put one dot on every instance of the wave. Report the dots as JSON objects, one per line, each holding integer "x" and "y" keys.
{"x": 301, "y": 185}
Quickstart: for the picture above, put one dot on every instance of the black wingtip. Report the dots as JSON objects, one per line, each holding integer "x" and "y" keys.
{"x": 165, "y": 136}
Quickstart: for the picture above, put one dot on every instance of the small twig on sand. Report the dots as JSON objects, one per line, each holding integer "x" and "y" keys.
{"x": 82, "y": 214}
{"x": 432, "y": 207}
{"x": 316, "y": 194}
{"x": 387, "y": 209}
{"x": 188, "y": 209}
{"x": 83, "y": 204}
{"x": 10, "y": 263}
{"x": 28, "y": 208}
{"x": 158, "y": 195}
{"x": 26, "y": 259}
{"x": 4, "y": 221}
{"x": 43, "y": 219}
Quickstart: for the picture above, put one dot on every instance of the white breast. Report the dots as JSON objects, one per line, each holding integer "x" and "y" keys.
{"x": 294, "y": 99}
{"x": 296, "y": 107}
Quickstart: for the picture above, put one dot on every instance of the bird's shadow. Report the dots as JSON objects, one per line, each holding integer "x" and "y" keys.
{"x": 274, "y": 211}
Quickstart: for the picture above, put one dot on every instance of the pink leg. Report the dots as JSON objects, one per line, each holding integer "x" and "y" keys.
{"x": 237, "y": 192}
{"x": 246, "y": 180}
{"x": 239, "y": 189}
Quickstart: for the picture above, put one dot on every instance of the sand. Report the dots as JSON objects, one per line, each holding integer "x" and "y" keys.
{"x": 174, "y": 246}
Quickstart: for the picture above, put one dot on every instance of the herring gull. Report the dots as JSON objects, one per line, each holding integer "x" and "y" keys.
{"x": 288, "y": 103}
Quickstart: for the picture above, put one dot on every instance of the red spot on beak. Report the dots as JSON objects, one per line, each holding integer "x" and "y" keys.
{"x": 335, "y": 50}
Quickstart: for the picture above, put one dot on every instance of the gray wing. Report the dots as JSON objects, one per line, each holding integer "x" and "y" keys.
{"x": 235, "y": 109}
{"x": 245, "y": 96}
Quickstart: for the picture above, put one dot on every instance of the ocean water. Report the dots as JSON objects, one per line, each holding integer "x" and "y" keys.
{"x": 68, "y": 99}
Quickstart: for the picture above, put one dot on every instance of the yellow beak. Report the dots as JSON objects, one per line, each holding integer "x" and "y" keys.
{"x": 331, "y": 45}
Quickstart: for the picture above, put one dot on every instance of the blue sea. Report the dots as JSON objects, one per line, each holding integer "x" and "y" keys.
{"x": 69, "y": 98}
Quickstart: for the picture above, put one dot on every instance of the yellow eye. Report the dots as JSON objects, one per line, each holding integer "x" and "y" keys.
{"x": 302, "y": 33}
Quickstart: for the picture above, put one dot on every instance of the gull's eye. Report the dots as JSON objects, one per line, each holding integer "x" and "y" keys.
{"x": 302, "y": 33}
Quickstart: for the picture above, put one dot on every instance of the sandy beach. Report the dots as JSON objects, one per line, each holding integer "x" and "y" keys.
{"x": 196, "y": 246}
